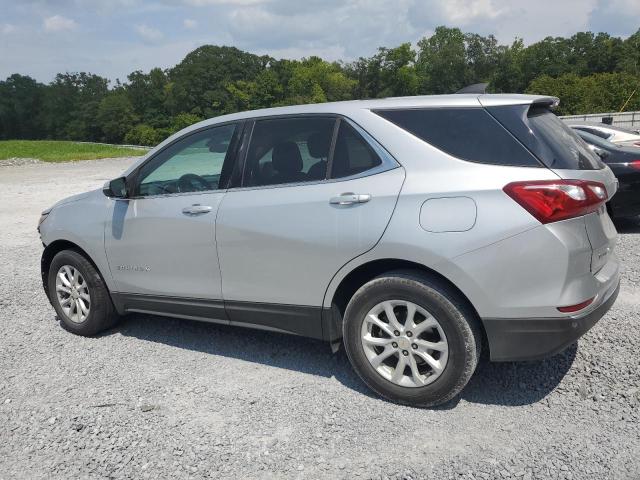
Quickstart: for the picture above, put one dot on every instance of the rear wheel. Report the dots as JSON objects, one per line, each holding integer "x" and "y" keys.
{"x": 411, "y": 338}
{"x": 79, "y": 295}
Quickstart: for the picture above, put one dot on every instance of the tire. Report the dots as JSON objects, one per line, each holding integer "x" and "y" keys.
{"x": 101, "y": 312}
{"x": 457, "y": 330}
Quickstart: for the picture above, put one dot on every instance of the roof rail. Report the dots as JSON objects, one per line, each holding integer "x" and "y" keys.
{"x": 475, "y": 88}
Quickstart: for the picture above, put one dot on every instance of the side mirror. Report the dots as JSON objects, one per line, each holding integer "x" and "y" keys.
{"x": 116, "y": 188}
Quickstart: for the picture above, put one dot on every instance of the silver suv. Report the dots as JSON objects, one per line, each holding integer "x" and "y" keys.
{"x": 415, "y": 230}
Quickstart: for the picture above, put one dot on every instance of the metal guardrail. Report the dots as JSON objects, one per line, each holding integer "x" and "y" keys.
{"x": 620, "y": 119}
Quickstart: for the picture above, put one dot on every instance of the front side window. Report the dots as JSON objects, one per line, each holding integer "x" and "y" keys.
{"x": 195, "y": 163}
{"x": 288, "y": 150}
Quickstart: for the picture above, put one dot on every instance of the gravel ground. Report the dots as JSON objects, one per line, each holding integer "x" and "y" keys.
{"x": 163, "y": 398}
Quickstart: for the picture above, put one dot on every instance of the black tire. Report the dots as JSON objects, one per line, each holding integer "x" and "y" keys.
{"x": 102, "y": 314}
{"x": 456, "y": 317}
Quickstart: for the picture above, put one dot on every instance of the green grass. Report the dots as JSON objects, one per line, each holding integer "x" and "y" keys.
{"x": 62, "y": 151}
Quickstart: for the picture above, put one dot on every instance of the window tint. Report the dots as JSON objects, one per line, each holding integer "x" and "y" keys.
{"x": 546, "y": 136}
{"x": 352, "y": 154}
{"x": 192, "y": 164}
{"x": 564, "y": 148}
{"x": 467, "y": 133}
{"x": 288, "y": 150}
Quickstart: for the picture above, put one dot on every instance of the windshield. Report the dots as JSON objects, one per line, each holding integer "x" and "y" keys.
{"x": 595, "y": 140}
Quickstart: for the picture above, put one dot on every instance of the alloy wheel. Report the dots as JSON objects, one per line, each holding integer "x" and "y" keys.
{"x": 404, "y": 343}
{"x": 72, "y": 293}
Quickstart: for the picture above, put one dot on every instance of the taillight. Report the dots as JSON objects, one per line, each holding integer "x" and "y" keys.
{"x": 635, "y": 164}
{"x": 554, "y": 200}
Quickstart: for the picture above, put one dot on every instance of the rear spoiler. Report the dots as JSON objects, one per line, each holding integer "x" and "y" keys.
{"x": 475, "y": 88}
{"x": 549, "y": 102}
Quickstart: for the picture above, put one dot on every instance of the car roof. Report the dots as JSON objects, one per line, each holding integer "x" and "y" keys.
{"x": 420, "y": 101}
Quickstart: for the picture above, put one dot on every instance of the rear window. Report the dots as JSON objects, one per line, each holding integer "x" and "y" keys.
{"x": 547, "y": 137}
{"x": 467, "y": 133}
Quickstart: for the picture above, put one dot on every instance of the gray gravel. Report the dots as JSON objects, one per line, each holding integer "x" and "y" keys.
{"x": 163, "y": 398}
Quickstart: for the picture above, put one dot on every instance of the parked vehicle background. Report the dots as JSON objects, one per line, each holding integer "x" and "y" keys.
{"x": 625, "y": 163}
{"x": 618, "y": 135}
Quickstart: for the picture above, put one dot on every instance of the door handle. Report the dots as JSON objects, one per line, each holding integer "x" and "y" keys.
{"x": 350, "y": 198}
{"x": 196, "y": 209}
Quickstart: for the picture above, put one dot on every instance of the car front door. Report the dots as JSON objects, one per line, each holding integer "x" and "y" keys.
{"x": 315, "y": 194}
{"x": 160, "y": 242}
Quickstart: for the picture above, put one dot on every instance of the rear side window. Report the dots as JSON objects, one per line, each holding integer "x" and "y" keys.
{"x": 289, "y": 150}
{"x": 352, "y": 154}
{"x": 467, "y": 133}
{"x": 548, "y": 137}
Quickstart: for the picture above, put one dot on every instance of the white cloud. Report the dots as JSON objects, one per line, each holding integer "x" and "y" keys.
{"x": 333, "y": 29}
{"x": 149, "y": 33}
{"x": 202, "y": 3}
{"x": 462, "y": 12}
{"x": 7, "y": 28}
{"x": 58, "y": 23}
{"x": 189, "y": 23}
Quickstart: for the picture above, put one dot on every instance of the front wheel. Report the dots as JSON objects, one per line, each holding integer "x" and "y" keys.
{"x": 79, "y": 295}
{"x": 411, "y": 338}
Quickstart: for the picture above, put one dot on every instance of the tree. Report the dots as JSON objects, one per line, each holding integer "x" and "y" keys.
{"x": 199, "y": 79}
{"x": 116, "y": 116}
{"x": 589, "y": 72}
{"x": 20, "y": 107}
{"x": 391, "y": 72}
{"x": 70, "y": 106}
{"x": 441, "y": 61}
{"x": 314, "y": 80}
{"x": 600, "y": 92}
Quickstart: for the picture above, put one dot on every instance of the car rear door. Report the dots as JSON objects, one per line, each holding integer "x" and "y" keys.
{"x": 317, "y": 192}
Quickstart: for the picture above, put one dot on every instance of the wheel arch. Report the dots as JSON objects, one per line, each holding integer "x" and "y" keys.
{"x": 52, "y": 250}
{"x": 367, "y": 271}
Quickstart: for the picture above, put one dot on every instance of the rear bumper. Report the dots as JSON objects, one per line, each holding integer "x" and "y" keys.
{"x": 521, "y": 339}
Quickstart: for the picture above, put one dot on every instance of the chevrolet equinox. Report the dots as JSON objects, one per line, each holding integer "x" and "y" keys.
{"x": 414, "y": 230}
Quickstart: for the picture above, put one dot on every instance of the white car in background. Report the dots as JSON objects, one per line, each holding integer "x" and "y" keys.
{"x": 619, "y": 135}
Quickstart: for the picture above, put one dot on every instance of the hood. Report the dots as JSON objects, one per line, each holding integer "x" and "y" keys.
{"x": 74, "y": 198}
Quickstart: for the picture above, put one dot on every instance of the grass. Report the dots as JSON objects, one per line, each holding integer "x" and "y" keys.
{"x": 62, "y": 151}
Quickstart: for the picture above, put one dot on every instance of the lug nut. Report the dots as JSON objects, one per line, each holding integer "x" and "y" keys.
{"x": 405, "y": 353}
{"x": 409, "y": 334}
{"x": 414, "y": 346}
{"x": 394, "y": 345}
{"x": 396, "y": 333}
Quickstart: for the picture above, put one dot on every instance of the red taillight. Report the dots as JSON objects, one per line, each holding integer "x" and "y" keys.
{"x": 554, "y": 200}
{"x": 635, "y": 164}
{"x": 575, "y": 308}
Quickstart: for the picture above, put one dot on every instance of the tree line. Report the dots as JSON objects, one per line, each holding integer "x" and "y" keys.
{"x": 589, "y": 72}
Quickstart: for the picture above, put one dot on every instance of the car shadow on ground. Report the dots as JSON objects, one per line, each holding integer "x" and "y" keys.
{"x": 508, "y": 384}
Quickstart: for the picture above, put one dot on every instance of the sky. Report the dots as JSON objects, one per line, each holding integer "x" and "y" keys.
{"x": 115, "y": 37}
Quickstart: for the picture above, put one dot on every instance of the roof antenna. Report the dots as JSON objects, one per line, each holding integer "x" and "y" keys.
{"x": 475, "y": 88}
